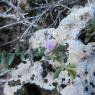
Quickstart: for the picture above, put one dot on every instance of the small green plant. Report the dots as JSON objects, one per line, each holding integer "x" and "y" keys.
{"x": 70, "y": 69}
{"x": 38, "y": 54}
{"x": 88, "y": 34}
{"x": 55, "y": 52}
{"x": 59, "y": 53}
{"x": 9, "y": 57}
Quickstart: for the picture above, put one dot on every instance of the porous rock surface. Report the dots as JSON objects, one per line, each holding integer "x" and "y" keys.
{"x": 67, "y": 31}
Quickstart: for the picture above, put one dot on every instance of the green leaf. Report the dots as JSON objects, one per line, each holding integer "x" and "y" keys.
{"x": 3, "y": 57}
{"x": 0, "y": 58}
{"x": 57, "y": 72}
{"x": 22, "y": 56}
{"x": 47, "y": 57}
{"x": 17, "y": 49}
{"x": 41, "y": 51}
{"x": 70, "y": 66}
{"x": 72, "y": 73}
{"x": 60, "y": 58}
{"x": 11, "y": 58}
{"x": 87, "y": 39}
{"x": 38, "y": 52}
{"x": 71, "y": 70}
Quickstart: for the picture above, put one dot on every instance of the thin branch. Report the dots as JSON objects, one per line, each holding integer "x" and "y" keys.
{"x": 35, "y": 21}
{"x": 11, "y": 16}
{"x": 9, "y": 42}
{"x": 8, "y": 25}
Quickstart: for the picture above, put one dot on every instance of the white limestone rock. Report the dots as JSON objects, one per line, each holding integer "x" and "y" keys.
{"x": 67, "y": 32}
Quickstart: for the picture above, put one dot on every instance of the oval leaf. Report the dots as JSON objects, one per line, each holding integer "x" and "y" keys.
{"x": 72, "y": 73}
{"x": 17, "y": 49}
{"x": 3, "y": 57}
{"x": 57, "y": 72}
{"x": 11, "y": 57}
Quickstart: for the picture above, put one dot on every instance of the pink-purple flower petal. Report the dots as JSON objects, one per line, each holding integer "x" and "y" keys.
{"x": 50, "y": 44}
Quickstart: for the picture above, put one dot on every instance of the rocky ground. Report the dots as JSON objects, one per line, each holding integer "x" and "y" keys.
{"x": 30, "y": 75}
{"x": 35, "y": 76}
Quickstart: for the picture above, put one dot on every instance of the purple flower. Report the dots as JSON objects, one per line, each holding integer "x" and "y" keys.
{"x": 50, "y": 44}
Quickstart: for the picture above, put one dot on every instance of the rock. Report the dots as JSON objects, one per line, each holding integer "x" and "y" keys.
{"x": 80, "y": 55}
